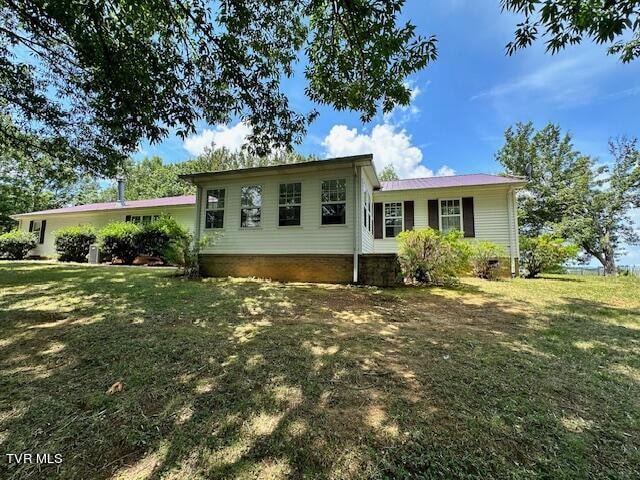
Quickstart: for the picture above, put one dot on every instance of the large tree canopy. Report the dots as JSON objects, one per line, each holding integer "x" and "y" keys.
{"x": 94, "y": 78}
{"x": 567, "y": 22}
{"x": 574, "y": 195}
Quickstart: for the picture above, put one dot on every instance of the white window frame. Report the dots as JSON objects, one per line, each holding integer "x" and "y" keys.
{"x": 140, "y": 221}
{"x": 216, "y": 209}
{"x": 323, "y": 203}
{"x": 384, "y": 217}
{"x": 440, "y": 200}
{"x": 259, "y": 185}
{"x": 289, "y": 204}
{"x": 37, "y": 232}
{"x": 367, "y": 221}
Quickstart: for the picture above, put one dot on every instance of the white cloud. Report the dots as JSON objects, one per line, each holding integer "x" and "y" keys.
{"x": 388, "y": 144}
{"x": 402, "y": 114}
{"x": 445, "y": 171}
{"x": 232, "y": 138}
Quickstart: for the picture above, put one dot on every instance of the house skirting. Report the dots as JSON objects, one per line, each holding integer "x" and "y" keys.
{"x": 379, "y": 269}
{"x": 320, "y": 268}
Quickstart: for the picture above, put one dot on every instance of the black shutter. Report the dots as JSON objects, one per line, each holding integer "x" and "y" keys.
{"x": 434, "y": 220}
{"x": 43, "y": 226}
{"x": 467, "y": 217}
{"x": 377, "y": 220}
{"x": 408, "y": 215}
{"x": 31, "y": 226}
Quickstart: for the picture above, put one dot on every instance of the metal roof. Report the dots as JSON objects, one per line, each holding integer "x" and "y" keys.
{"x": 106, "y": 206}
{"x": 475, "y": 179}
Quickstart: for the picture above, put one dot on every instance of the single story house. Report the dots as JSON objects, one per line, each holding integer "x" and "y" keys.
{"x": 326, "y": 221}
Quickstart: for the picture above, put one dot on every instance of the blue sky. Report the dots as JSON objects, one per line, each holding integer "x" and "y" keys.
{"x": 465, "y": 100}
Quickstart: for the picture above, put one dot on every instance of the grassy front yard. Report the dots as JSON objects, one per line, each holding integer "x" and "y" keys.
{"x": 233, "y": 378}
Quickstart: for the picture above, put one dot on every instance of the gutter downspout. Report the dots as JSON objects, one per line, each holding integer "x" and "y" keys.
{"x": 512, "y": 226}
{"x": 356, "y": 221}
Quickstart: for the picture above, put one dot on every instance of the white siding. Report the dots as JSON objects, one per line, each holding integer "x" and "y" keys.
{"x": 185, "y": 215}
{"x": 269, "y": 238}
{"x": 367, "y": 236}
{"x": 491, "y": 212}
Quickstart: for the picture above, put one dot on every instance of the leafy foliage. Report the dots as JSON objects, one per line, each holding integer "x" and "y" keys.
{"x": 388, "y": 173}
{"x": 16, "y": 244}
{"x": 544, "y": 253}
{"x": 428, "y": 256}
{"x": 120, "y": 240}
{"x": 72, "y": 243}
{"x": 100, "y": 76}
{"x": 35, "y": 180}
{"x": 568, "y": 22}
{"x": 573, "y": 195}
{"x": 163, "y": 238}
{"x": 485, "y": 259}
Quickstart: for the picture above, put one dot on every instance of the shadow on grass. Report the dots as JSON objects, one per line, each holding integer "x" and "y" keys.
{"x": 227, "y": 378}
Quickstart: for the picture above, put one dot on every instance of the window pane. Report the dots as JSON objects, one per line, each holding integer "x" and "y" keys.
{"x": 146, "y": 219}
{"x": 214, "y": 219}
{"x": 215, "y": 198}
{"x": 450, "y": 223}
{"x": 393, "y": 210}
{"x": 250, "y": 217}
{"x": 251, "y": 196}
{"x": 333, "y": 214}
{"x": 290, "y": 194}
{"x": 393, "y": 226}
{"x": 334, "y": 190}
{"x": 289, "y": 216}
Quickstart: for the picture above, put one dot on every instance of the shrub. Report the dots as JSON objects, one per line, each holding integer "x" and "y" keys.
{"x": 428, "y": 256}
{"x": 485, "y": 259}
{"x": 164, "y": 238}
{"x": 544, "y": 253}
{"x": 15, "y": 245}
{"x": 121, "y": 240}
{"x": 72, "y": 243}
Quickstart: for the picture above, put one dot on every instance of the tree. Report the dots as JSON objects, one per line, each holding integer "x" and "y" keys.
{"x": 597, "y": 216}
{"x": 34, "y": 180}
{"x": 568, "y": 22}
{"x": 217, "y": 159}
{"x": 388, "y": 173}
{"x": 570, "y": 195}
{"x": 546, "y": 158}
{"x": 94, "y": 78}
{"x": 152, "y": 178}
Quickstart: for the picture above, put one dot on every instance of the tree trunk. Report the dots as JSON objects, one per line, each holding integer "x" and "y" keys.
{"x": 610, "y": 265}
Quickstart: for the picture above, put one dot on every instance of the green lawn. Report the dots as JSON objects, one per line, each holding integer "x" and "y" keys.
{"x": 247, "y": 379}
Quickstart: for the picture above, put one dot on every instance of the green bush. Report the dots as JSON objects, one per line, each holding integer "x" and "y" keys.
{"x": 164, "y": 238}
{"x": 544, "y": 253}
{"x": 72, "y": 243}
{"x": 120, "y": 240}
{"x": 15, "y": 245}
{"x": 485, "y": 259}
{"x": 428, "y": 256}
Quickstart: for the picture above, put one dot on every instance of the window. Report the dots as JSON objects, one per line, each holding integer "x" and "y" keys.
{"x": 334, "y": 198}
{"x": 367, "y": 218}
{"x": 141, "y": 219}
{"x": 36, "y": 229}
{"x": 251, "y": 206}
{"x": 214, "y": 214}
{"x": 289, "y": 203}
{"x": 392, "y": 219}
{"x": 450, "y": 215}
